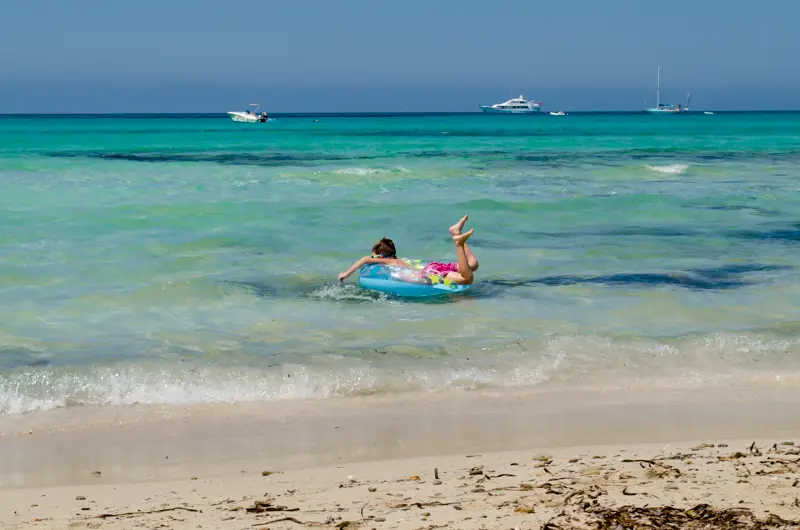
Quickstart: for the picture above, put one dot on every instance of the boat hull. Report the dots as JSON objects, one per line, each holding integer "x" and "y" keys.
{"x": 242, "y": 117}
{"x": 661, "y": 111}
{"x": 492, "y": 110}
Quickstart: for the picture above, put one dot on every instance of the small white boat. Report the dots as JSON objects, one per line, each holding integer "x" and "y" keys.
{"x": 250, "y": 115}
{"x": 708, "y": 112}
{"x": 514, "y": 106}
{"x": 559, "y": 113}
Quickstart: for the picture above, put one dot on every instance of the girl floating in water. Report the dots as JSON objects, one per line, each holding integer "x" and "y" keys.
{"x": 384, "y": 252}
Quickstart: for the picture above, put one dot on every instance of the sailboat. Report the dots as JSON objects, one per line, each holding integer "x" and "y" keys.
{"x": 662, "y": 108}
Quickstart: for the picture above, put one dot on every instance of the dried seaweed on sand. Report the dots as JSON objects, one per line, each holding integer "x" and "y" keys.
{"x": 700, "y": 517}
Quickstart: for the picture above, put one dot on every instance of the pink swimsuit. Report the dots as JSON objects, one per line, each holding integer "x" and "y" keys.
{"x": 434, "y": 267}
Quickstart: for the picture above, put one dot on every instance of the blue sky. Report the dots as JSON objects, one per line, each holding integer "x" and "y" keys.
{"x": 359, "y": 55}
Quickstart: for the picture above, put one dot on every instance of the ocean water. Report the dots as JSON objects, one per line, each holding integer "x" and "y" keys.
{"x": 194, "y": 260}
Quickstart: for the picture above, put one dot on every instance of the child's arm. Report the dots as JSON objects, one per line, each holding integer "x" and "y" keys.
{"x": 360, "y": 263}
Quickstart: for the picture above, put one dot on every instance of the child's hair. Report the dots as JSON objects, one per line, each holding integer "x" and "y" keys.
{"x": 384, "y": 248}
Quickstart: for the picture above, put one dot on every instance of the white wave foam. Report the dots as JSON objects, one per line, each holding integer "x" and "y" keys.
{"x": 363, "y": 171}
{"x": 695, "y": 361}
{"x": 359, "y": 171}
{"x": 671, "y": 169}
{"x": 347, "y": 292}
{"x": 41, "y": 390}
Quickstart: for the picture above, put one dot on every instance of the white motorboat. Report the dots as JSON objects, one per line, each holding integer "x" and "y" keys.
{"x": 250, "y": 115}
{"x": 559, "y": 113}
{"x": 514, "y": 106}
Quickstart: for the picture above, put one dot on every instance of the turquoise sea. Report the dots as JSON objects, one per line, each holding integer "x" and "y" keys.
{"x": 190, "y": 259}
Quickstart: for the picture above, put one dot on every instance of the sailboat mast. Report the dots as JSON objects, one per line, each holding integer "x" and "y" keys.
{"x": 658, "y": 89}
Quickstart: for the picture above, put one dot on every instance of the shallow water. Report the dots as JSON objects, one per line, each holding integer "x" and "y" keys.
{"x": 190, "y": 260}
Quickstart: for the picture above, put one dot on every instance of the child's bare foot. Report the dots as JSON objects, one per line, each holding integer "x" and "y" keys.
{"x": 456, "y": 228}
{"x": 460, "y": 239}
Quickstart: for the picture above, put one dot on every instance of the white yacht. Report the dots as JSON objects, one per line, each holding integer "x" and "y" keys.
{"x": 250, "y": 115}
{"x": 514, "y": 106}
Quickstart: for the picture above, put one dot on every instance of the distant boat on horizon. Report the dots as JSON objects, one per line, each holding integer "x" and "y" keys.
{"x": 514, "y": 106}
{"x": 666, "y": 108}
{"x": 250, "y": 115}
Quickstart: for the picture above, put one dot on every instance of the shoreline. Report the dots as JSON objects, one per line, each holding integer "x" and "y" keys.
{"x": 146, "y": 443}
{"x": 522, "y": 368}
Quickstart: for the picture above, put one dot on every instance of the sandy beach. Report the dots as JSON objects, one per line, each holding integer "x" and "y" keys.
{"x": 732, "y": 484}
{"x": 472, "y": 460}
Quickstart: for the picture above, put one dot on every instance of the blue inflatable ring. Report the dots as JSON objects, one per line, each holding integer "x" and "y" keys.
{"x": 406, "y": 282}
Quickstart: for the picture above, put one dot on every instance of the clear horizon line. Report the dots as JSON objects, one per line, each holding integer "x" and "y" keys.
{"x": 384, "y": 113}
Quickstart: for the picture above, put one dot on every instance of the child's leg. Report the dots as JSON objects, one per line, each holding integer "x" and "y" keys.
{"x": 464, "y": 275}
{"x": 473, "y": 261}
{"x": 455, "y": 230}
